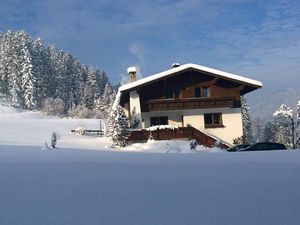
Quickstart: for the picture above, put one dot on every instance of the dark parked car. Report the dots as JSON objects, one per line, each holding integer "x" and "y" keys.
{"x": 237, "y": 147}
{"x": 263, "y": 146}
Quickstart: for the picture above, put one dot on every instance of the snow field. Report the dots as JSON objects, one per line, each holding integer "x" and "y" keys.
{"x": 74, "y": 185}
{"x": 104, "y": 187}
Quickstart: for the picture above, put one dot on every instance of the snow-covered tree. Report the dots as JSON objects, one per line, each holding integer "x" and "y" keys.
{"x": 90, "y": 88}
{"x": 31, "y": 72}
{"x": 296, "y": 129}
{"x": 258, "y": 129}
{"x": 53, "y": 106}
{"x": 41, "y": 69}
{"x": 105, "y": 102}
{"x": 246, "y": 121}
{"x": 118, "y": 127}
{"x": 28, "y": 80}
{"x": 102, "y": 81}
{"x": 269, "y": 132}
{"x": 282, "y": 120}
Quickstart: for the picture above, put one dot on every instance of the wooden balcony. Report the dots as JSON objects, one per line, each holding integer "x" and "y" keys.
{"x": 191, "y": 103}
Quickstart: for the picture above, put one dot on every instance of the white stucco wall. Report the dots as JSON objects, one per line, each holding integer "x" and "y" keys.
{"x": 134, "y": 103}
{"x": 231, "y": 118}
{"x": 174, "y": 117}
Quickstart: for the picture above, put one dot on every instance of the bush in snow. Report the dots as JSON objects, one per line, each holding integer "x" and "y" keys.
{"x": 193, "y": 144}
{"x": 54, "y": 138}
{"x": 238, "y": 140}
{"x": 80, "y": 130}
{"x": 81, "y": 111}
{"x": 53, "y": 106}
{"x": 118, "y": 125}
{"x": 134, "y": 120}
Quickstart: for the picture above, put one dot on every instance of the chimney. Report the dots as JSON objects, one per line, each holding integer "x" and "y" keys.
{"x": 132, "y": 73}
{"x": 174, "y": 65}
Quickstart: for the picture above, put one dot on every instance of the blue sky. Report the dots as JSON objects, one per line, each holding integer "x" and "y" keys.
{"x": 259, "y": 39}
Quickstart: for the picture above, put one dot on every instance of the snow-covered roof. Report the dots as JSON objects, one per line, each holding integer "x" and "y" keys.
{"x": 177, "y": 69}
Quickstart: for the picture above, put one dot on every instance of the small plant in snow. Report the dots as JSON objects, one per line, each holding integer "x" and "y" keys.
{"x": 54, "y": 138}
{"x": 134, "y": 120}
{"x": 238, "y": 140}
{"x": 193, "y": 144}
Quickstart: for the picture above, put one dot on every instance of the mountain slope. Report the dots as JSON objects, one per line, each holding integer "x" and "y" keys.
{"x": 264, "y": 107}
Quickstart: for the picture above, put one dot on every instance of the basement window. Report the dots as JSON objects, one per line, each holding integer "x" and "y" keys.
{"x": 158, "y": 120}
{"x": 213, "y": 120}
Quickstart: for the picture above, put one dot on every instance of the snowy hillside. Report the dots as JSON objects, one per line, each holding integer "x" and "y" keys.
{"x": 20, "y": 127}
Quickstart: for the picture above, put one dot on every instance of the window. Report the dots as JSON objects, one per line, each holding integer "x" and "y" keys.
{"x": 158, "y": 120}
{"x": 172, "y": 92}
{"x": 213, "y": 120}
{"x": 169, "y": 93}
{"x": 201, "y": 92}
{"x": 176, "y": 92}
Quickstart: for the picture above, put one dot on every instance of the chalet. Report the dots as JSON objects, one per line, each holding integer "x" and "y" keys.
{"x": 189, "y": 95}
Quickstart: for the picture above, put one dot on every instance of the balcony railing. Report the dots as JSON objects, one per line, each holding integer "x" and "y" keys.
{"x": 191, "y": 103}
{"x": 179, "y": 133}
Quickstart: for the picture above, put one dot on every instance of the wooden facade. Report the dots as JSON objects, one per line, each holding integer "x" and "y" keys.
{"x": 156, "y": 95}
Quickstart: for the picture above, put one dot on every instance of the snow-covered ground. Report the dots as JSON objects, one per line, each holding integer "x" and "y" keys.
{"x": 20, "y": 127}
{"x": 79, "y": 186}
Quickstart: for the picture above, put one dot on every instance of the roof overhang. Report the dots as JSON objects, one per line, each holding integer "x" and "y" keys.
{"x": 253, "y": 84}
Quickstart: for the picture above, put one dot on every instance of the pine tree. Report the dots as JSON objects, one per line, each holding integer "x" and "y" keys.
{"x": 283, "y": 125}
{"x": 4, "y": 48}
{"x": 246, "y": 121}
{"x": 269, "y": 132}
{"x": 31, "y": 73}
{"x": 28, "y": 80}
{"x": 258, "y": 129}
{"x": 102, "y": 82}
{"x": 90, "y": 88}
{"x": 297, "y": 128}
{"x": 118, "y": 127}
{"x": 42, "y": 72}
{"x": 13, "y": 68}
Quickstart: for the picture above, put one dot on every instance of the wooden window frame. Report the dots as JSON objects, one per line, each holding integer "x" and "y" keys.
{"x": 213, "y": 125}
{"x": 201, "y": 89}
{"x": 172, "y": 93}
